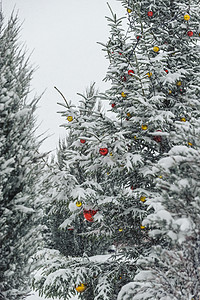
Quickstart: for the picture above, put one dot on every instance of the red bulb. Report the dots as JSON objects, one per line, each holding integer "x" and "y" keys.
{"x": 190, "y": 33}
{"x": 138, "y": 37}
{"x": 88, "y": 214}
{"x": 120, "y": 53}
{"x": 158, "y": 138}
{"x": 123, "y": 78}
{"x": 113, "y": 104}
{"x": 103, "y": 151}
{"x": 130, "y": 72}
{"x": 150, "y": 13}
{"x": 166, "y": 71}
{"x": 82, "y": 141}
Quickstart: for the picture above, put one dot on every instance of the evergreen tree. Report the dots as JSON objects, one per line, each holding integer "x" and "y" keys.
{"x": 154, "y": 98}
{"x": 19, "y": 167}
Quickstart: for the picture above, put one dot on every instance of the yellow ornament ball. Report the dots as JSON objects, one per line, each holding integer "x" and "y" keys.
{"x": 156, "y": 49}
{"x": 78, "y": 203}
{"x": 183, "y": 119}
{"x": 120, "y": 229}
{"x": 69, "y": 118}
{"x": 190, "y": 144}
{"x": 135, "y": 137}
{"x": 144, "y": 127}
{"x": 149, "y": 74}
{"x": 128, "y": 115}
{"x": 81, "y": 288}
{"x": 129, "y": 10}
{"x": 169, "y": 92}
{"x": 123, "y": 95}
{"x": 186, "y": 17}
{"x": 143, "y": 199}
{"x": 179, "y": 83}
{"x": 142, "y": 227}
{"x": 111, "y": 154}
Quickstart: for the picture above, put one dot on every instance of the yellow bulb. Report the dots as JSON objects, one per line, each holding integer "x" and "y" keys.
{"x": 142, "y": 227}
{"x": 170, "y": 91}
{"x": 144, "y": 127}
{"x": 120, "y": 229}
{"x": 123, "y": 95}
{"x": 135, "y": 137}
{"x": 143, "y": 198}
{"x": 179, "y": 83}
{"x": 183, "y": 119}
{"x": 108, "y": 173}
{"x": 149, "y": 74}
{"x": 128, "y": 114}
{"x": 111, "y": 154}
{"x": 81, "y": 288}
{"x": 160, "y": 176}
{"x": 120, "y": 277}
{"x": 78, "y": 203}
{"x": 129, "y": 10}
{"x": 190, "y": 144}
{"x": 186, "y": 17}
{"x": 69, "y": 118}
{"x": 156, "y": 49}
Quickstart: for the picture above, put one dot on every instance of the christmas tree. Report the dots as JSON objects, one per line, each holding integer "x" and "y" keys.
{"x": 19, "y": 167}
{"x": 154, "y": 97}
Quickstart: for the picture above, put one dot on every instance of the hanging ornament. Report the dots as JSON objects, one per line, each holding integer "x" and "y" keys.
{"x": 150, "y": 13}
{"x": 166, "y": 71}
{"x": 138, "y": 37}
{"x": 144, "y": 127}
{"x": 88, "y": 214}
{"x": 190, "y": 144}
{"x": 69, "y": 118}
{"x": 183, "y": 119}
{"x": 123, "y": 95}
{"x": 179, "y": 83}
{"x": 128, "y": 115}
{"x": 120, "y": 229}
{"x": 143, "y": 199}
{"x": 82, "y": 141}
{"x": 123, "y": 78}
{"x": 78, "y": 203}
{"x": 186, "y": 17}
{"x": 142, "y": 227}
{"x": 130, "y": 72}
{"x": 81, "y": 288}
{"x": 190, "y": 33}
{"x": 129, "y": 10}
{"x": 113, "y": 105}
{"x": 111, "y": 154}
{"x": 169, "y": 92}
{"x": 70, "y": 228}
{"x": 149, "y": 74}
{"x": 157, "y": 138}
{"x": 103, "y": 151}
{"x": 156, "y": 48}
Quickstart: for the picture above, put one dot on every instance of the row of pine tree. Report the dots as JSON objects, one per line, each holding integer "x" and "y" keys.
{"x": 115, "y": 214}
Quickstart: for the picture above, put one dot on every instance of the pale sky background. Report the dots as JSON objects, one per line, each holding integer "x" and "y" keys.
{"x": 63, "y": 36}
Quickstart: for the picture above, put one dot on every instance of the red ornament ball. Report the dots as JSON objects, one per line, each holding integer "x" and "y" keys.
{"x": 113, "y": 105}
{"x": 103, "y": 151}
{"x": 158, "y": 138}
{"x": 150, "y": 13}
{"x": 138, "y": 37}
{"x": 82, "y": 141}
{"x": 88, "y": 214}
{"x": 190, "y": 33}
{"x": 130, "y": 72}
{"x": 166, "y": 71}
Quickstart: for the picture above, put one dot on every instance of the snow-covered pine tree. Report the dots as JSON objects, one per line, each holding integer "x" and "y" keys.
{"x": 69, "y": 260}
{"x": 19, "y": 166}
{"x": 171, "y": 271}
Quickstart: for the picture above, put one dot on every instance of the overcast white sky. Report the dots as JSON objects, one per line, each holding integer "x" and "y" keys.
{"x": 64, "y": 36}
